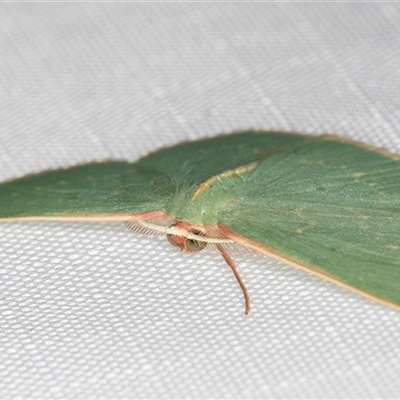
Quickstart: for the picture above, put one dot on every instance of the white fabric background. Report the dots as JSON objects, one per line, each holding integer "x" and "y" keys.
{"x": 95, "y": 311}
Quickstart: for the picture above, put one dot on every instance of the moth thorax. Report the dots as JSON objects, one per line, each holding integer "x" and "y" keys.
{"x": 186, "y": 244}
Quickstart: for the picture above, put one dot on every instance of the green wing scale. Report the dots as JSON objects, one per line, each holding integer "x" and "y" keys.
{"x": 325, "y": 204}
{"x": 113, "y": 189}
{"x": 117, "y": 189}
{"x": 329, "y": 206}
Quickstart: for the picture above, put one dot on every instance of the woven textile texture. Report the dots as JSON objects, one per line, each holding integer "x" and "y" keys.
{"x": 92, "y": 311}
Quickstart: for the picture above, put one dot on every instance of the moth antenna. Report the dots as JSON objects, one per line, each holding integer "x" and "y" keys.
{"x": 232, "y": 266}
{"x": 134, "y": 226}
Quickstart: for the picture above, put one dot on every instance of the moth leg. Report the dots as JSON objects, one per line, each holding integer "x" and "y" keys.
{"x": 232, "y": 265}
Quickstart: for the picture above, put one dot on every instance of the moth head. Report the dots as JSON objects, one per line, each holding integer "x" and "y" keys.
{"x": 180, "y": 234}
{"x": 186, "y": 244}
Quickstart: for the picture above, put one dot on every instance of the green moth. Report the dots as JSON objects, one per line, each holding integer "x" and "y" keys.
{"x": 325, "y": 204}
